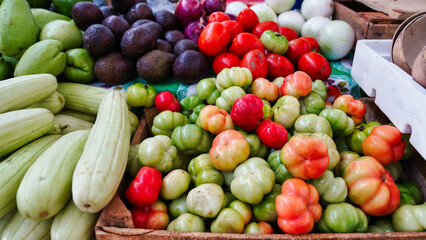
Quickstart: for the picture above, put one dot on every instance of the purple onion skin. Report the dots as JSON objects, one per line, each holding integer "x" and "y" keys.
{"x": 188, "y": 11}
{"x": 231, "y": 16}
{"x": 194, "y": 29}
{"x": 211, "y": 6}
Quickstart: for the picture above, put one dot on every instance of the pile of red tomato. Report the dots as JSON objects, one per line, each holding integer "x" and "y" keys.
{"x": 230, "y": 43}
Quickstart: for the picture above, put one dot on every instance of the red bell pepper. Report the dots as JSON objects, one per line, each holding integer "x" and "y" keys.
{"x": 272, "y": 134}
{"x": 247, "y": 111}
{"x": 354, "y": 108}
{"x": 297, "y": 206}
{"x": 151, "y": 217}
{"x": 305, "y": 156}
{"x": 385, "y": 143}
{"x": 144, "y": 189}
{"x": 166, "y": 101}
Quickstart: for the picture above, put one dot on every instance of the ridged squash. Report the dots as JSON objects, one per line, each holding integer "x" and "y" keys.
{"x": 13, "y": 169}
{"x": 103, "y": 162}
{"x": 21, "y": 92}
{"x": 83, "y": 224}
{"x": 5, "y": 220}
{"x": 46, "y": 187}
{"x": 20, "y": 127}
{"x": 70, "y": 124}
{"x": 54, "y": 103}
{"x": 20, "y": 228}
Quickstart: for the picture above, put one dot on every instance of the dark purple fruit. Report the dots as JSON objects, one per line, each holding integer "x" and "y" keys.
{"x": 156, "y": 66}
{"x": 184, "y": 45}
{"x": 163, "y": 45}
{"x": 115, "y": 68}
{"x": 138, "y": 41}
{"x": 107, "y": 11}
{"x": 117, "y": 25}
{"x": 166, "y": 19}
{"x": 173, "y": 36}
{"x": 122, "y": 6}
{"x": 190, "y": 67}
{"x": 85, "y": 14}
{"x": 98, "y": 40}
{"x": 139, "y": 11}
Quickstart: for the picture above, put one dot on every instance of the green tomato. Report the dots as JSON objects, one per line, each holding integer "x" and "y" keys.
{"x": 174, "y": 184}
{"x": 202, "y": 171}
{"x": 265, "y": 211}
{"x": 257, "y": 149}
{"x": 191, "y": 139}
{"x": 243, "y": 209}
{"x": 80, "y": 66}
{"x": 228, "y": 221}
{"x": 141, "y": 95}
{"x": 187, "y": 222}
{"x": 341, "y": 144}
{"x": 268, "y": 112}
{"x": 286, "y": 111}
{"x": 318, "y": 86}
{"x": 281, "y": 172}
{"x": 166, "y": 121}
{"x": 410, "y": 218}
{"x": 252, "y": 180}
{"x": 330, "y": 189}
{"x": 410, "y": 193}
{"x": 360, "y": 133}
{"x": 228, "y": 97}
{"x": 274, "y": 42}
{"x": 395, "y": 169}
{"x": 206, "y": 200}
{"x": 191, "y": 107}
{"x": 133, "y": 164}
{"x": 381, "y": 225}
{"x": 311, "y": 103}
{"x": 342, "y": 218}
{"x": 206, "y": 90}
{"x": 158, "y": 152}
{"x": 178, "y": 207}
{"x": 341, "y": 124}
{"x": 409, "y": 149}
{"x": 229, "y": 198}
{"x": 5, "y": 69}
{"x": 333, "y": 154}
{"x": 311, "y": 123}
{"x": 235, "y": 76}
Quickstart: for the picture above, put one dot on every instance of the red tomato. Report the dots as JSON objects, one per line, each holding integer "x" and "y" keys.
{"x": 225, "y": 60}
{"x": 214, "y": 39}
{"x": 272, "y": 134}
{"x": 256, "y": 62}
{"x": 312, "y": 42}
{"x": 278, "y": 66}
{"x": 151, "y": 217}
{"x": 296, "y": 48}
{"x": 248, "y": 19}
{"x": 245, "y": 42}
{"x": 233, "y": 27}
{"x": 333, "y": 92}
{"x": 263, "y": 26}
{"x": 315, "y": 65}
{"x": 289, "y": 33}
{"x": 218, "y": 17}
{"x": 166, "y": 101}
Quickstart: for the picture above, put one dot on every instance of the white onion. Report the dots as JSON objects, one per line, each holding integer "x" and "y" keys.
{"x": 264, "y": 13}
{"x": 280, "y": 6}
{"x": 291, "y": 19}
{"x": 335, "y": 39}
{"x": 313, "y": 8}
{"x": 234, "y": 8}
{"x": 313, "y": 25}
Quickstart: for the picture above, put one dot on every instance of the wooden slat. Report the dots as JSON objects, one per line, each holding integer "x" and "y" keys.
{"x": 396, "y": 9}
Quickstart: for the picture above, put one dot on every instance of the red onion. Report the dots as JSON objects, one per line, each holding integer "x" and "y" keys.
{"x": 211, "y": 6}
{"x": 188, "y": 11}
{"x": 194, "y": 29}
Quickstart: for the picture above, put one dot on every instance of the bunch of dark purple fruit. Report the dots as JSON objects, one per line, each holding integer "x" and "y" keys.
{"x": 129, "y": 39}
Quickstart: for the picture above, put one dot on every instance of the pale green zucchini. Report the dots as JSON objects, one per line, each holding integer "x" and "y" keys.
{"x": 83, "y": 224}
{"x": 13, "y": 169}
{"x": 46, "y": 187}
{"x": 70, "y": 124}
{"x": 21, "y": 92}
{"x": 5, "y": 220}
{"x": 103, "y": 162}
{"x": 54, "y": 103}
{"x": 80, "y": 115}
{"x": 20, "y": 127}
{"x": 20, "y": 228}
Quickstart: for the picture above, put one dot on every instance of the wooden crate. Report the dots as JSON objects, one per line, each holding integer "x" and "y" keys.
{"x": 115, "y": 221}
{"x": 366, "y": 22}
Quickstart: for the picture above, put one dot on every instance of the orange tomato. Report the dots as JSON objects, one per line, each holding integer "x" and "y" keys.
{"x": 354, "y": 108}
{"x": 214, "y": 119}
{"x": 298, "y": 84}
{"x": 265, "y": 89}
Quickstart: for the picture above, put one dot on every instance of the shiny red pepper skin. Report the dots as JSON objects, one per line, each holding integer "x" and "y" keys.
{"x": 144, "y": 189}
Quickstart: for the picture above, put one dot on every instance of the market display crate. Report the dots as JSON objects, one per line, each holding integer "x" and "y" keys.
{"x": 115, "y": 221}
